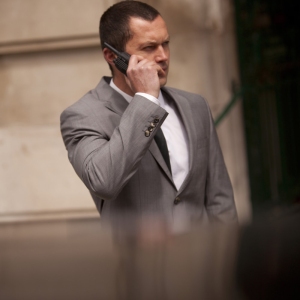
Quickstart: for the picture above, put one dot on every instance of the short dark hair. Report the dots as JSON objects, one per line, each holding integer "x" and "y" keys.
{"x": 114, "y": 23}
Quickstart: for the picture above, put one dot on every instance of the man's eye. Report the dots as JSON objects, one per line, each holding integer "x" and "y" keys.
{"x": 147, "y": 48}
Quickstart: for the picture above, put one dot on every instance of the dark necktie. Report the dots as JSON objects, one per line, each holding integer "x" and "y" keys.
{"x": 162, "y": 145}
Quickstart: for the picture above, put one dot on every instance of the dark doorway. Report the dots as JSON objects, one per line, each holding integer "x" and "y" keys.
{"x": 268, "y": 35}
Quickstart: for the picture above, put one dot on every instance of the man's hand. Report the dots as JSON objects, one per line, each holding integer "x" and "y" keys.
{"x": 143, "y": 75}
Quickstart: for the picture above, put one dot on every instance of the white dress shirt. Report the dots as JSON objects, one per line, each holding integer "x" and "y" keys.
{"x": 174, "y": 133}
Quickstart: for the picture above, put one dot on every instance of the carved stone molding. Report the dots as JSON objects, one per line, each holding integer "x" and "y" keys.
{"x": 204, "y": 14}
{"x": 36, "y": 45}
{"x": 48, "y": 215}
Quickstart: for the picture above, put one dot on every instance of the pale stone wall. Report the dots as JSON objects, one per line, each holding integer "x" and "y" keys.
{"x": 49, "y": 57}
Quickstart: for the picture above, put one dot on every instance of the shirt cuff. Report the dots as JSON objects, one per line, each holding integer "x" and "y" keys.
{"x": 149, "y": 97}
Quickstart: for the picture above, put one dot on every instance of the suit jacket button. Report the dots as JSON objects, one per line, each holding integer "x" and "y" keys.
{"x": 147, "y": 133}
{"x": 156, "y": 120}
{"x": 177, "y": 200}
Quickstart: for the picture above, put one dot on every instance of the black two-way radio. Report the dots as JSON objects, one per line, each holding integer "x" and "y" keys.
{"x": 122, "y": 59}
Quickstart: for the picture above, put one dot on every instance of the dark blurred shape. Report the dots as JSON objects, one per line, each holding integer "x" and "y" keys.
{"x": 269, "y": 60}
{"x": 269, "y": 256}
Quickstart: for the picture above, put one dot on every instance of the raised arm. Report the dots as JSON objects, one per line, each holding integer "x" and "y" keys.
{"x": 104, "y": 148}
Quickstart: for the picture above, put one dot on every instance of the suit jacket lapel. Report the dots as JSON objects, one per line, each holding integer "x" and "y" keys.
{"x": 154, "y": 150}
{"x": 186, "y": 113}
{"x": 116, "y": 103}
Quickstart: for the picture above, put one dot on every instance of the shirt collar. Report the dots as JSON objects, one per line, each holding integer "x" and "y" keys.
{"x": 128, "y": 98}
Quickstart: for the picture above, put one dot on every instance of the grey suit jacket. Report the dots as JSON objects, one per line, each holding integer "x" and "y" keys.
{"x": 124, "y": 169}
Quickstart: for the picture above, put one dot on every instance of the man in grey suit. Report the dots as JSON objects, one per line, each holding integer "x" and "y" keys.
{"x": 113, "y": 133}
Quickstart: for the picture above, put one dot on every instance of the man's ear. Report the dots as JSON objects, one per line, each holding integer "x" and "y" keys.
{"x": 109, "y": 56}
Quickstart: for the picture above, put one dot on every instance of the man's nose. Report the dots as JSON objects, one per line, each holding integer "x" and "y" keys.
{"x": 162, "y": 54}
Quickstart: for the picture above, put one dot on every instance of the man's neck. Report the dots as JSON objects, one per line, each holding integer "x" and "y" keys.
{"x": 120, "y": 82}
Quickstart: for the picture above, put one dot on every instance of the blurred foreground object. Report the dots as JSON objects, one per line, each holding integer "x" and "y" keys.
{"x": 79, "y": 259}
{"x": 269, "y": 256}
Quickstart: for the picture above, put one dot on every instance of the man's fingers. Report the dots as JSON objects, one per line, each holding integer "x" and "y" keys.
{"x": 143, "y": 75}
{"x": 135, "y": 59}
{"x": 138, "y": 62}
{"x": 160, "y": 70}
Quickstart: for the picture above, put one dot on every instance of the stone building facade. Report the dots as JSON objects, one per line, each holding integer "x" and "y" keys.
{"x": 50, "y": 57}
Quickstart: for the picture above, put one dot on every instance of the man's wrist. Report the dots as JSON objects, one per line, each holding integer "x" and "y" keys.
{"x": 149, "y": 97}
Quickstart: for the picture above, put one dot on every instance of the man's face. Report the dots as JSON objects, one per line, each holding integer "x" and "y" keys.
{"x": 151, "y": 40}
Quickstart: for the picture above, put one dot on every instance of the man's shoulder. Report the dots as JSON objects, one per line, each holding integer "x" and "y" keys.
{"x": 95, "y": 98}
{"x": 192, "y": 98}
{"x": 183, "y": 93}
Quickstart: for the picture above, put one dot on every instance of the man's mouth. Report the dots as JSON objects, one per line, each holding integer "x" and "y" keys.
{"x": 164, "y": 67}
{"x": 165, "y": 70}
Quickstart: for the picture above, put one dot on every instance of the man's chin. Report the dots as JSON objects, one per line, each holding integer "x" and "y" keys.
{"x": 162, "y": 81}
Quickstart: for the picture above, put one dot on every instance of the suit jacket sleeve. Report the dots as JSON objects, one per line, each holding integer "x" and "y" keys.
{"x": 105, "y": 162}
